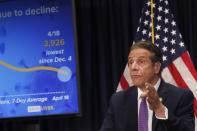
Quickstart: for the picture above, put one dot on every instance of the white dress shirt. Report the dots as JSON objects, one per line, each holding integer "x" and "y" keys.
{"x": 150, "y": 112}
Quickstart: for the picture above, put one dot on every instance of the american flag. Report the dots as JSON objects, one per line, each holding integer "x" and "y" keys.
{"x": 178, "y": 68}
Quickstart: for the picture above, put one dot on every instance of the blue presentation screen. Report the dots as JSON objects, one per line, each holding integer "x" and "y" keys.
{"x": 38, "y": 66}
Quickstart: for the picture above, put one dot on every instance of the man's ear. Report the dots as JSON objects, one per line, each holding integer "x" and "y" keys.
{"x": 157, "y": 67}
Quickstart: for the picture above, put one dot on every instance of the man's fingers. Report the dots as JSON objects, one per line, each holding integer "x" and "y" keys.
{"x": 152, "y": 96}
{"x": 149, "y": 87}
{"x": 151, "y": 90}
{"x": 144, "y": 94}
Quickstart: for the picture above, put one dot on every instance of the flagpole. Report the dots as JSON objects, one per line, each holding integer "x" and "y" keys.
{"x": 152, "y": 21}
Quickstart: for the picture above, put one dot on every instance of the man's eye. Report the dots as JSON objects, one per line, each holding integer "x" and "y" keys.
{"x": 141, "y": 62}
{"x": 130, "y": 62}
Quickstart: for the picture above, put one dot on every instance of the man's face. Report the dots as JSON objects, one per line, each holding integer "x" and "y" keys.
{"x": 141, "y": 68}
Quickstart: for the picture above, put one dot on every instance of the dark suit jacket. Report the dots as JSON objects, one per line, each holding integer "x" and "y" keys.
{"x": 122, "y": 113}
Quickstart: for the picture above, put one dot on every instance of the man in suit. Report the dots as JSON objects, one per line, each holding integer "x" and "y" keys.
{"x": 168, "y": 108}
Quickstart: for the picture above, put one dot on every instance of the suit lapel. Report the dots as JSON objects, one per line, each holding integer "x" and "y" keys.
{"x": 162, "y": 92}
{"x": 133, "y": 110}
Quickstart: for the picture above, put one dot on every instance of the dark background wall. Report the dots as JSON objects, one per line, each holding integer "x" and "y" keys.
{"x": 106, "y": 29}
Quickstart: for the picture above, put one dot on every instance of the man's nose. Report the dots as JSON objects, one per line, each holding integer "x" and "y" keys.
{"x": 134, "y": 66}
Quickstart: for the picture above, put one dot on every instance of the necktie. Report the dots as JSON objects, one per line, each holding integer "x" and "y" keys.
{"x": 143, "y": 116}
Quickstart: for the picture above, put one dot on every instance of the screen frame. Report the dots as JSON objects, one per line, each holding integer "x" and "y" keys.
{"x": 61, "y": 115}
